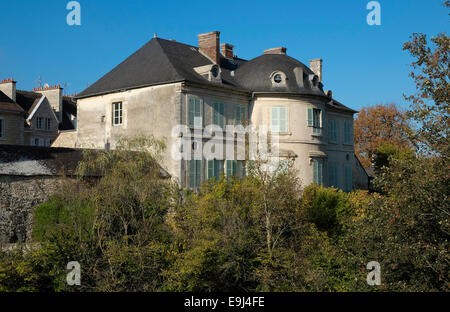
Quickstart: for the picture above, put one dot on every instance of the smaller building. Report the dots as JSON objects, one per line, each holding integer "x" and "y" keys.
{"x": 34, "y": 117}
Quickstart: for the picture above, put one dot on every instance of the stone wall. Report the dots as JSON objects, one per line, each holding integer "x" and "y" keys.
{"x": 19, "y": 196}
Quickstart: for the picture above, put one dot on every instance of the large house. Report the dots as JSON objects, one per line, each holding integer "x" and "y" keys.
{"x": 166, "y": 83}
{"x": 34, "y": 117}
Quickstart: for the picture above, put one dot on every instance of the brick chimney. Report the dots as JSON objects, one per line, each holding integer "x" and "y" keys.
{"x": 209, "y": 45}
{"x": 227, "y": 50}
{"x": 279, "y": 50}
{"x": 316, "y": 67}
{"x": 8, "y": 86}
{"x": 54, "y": 96}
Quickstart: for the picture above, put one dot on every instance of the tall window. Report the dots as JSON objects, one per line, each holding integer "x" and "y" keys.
{"x": 278, "y": 119}
{"x": 219, "y": 114}
{"x": 195, "y": 111}
{"x": 333, "y": 176}
{"x": 117, "y": 113}
{"x": 241, "y": 114}
{"x": 215, "y": 168}
{"x": 348, "y": 132}
{"x": 195, "y": 173}
{"x": 235, "y": 168}
{"x": 315, "y": 119}
{"x": 48, "y": 124}
{"x": 348, "y": 185}
{"x": 2, "y": 128}
{"x": 39, "y": 121}
{"x": 332, "y": 131}
{"x": 318, "y": 171}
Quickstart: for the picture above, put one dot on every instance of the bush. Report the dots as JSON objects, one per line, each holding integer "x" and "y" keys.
{"x": 326, "y": 208}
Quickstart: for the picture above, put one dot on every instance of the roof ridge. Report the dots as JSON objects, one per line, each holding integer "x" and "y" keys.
{"x": 167, "y": 57}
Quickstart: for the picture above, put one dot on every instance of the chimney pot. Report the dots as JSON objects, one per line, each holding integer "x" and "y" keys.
{"x": 316, "y": 66}
{"x": 279, "y": 50}
{"x": 209, "y": 44}
{"x": 227, "y": 50}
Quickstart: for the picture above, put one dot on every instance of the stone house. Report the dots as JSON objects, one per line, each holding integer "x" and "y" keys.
{"x": 34, "y": 118}
{"x": 166, "y": 83}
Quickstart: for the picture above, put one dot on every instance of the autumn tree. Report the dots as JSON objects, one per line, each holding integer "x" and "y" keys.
{"x": 377, "y": 125}
{"x": 430, "y": 104}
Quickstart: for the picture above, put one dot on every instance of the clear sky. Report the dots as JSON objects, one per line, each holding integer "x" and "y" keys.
{"x": 363, "y": 65}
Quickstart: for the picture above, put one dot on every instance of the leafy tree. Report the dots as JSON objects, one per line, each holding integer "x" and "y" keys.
{"x": 430, "y": 105}
{"x": 377, "y": 125}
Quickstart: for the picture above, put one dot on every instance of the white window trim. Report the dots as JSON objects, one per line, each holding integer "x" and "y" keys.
{"x": 113, "y": 114}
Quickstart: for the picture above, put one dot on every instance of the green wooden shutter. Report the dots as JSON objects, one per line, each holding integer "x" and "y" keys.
{"x": 222, "y": 115}
{"x": 192, "y": 174}
{"x": 309, "y": 113}
{"x": 210, "y": 169}
{"x": 316, "y": 172}
{"x": 320, "y": 172}
{"x": 275, "y": 121}
{"x": 283, "y": 119}
{"x": 322, "y": 118}
{"x": 191, "y": 111}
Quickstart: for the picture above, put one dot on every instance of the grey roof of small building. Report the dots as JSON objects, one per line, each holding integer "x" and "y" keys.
{"x": 27, "y": 100}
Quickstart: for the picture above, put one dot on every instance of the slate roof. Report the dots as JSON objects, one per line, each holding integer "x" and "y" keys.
{"x": 27, "y": 100}
{"x": 69, "y": 108}
{"x": 8, "y": 104}
{"x": 255, "y": 75}
{"x": 164, "y": 61}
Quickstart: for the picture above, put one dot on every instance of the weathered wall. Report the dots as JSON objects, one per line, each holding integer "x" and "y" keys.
{"x": 13, "y": 128}
{"x": 19, "y": 195}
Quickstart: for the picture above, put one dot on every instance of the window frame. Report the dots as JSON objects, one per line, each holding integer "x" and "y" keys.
{"x": 348, "y": 132}
{"x": 193, "y": 113}
{"x": 279, "y": 119}
{"x": 196, "y": 174}
{"x": 48, "y": 124}
{"x": 119, "y": 111}
{"x": 219, "y": 117}
{"x": 39, "y": 123}
{"x": 318, "y": 165}
{"x": 332, "y": 131}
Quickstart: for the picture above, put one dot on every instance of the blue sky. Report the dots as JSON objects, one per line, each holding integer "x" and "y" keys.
{"x": 363, "y": 65}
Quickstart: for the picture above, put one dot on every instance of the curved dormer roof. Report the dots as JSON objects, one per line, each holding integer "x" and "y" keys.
{"x": 278, "y": 73}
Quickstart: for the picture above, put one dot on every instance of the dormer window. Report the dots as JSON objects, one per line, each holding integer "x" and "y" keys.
{"x": 278, "y": 78}
{"x": 215, "y": 71}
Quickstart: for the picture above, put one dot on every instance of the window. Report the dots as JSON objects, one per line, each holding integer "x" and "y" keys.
{"x": 348, "y": 185}
{"x": 277, "y": 78}
{"x": 37, "y": 142}
{"x": 48, "y": 142}
{"x": 2, "y": 128}
{"x": 195, "y": 111}
{"x": 348, "y": 132}
{"x": 48, "y": 124}
{"x": 215, "y": 168}
{"x": 318, "y": 171}
{"x": 333, "y": 176}
{"x": 117, "y": 113}
{"x": 241, "y": 114}
{"x": 235, "y": 168}
{"x": 195, "y": 173}
{"x": 332, "y": 131}
{"x": 278, "y": 119}
{"x": 39, "y": 123}
{"x": 218, "y": 114}
{"x": 315, "y": 119}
